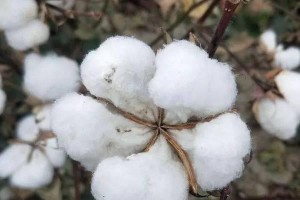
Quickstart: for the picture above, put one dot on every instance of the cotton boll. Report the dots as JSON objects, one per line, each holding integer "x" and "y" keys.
{"x": 288, "y": 58}
{"x": 27, "y": 129}
{"x": 51, "y": 76}
{"x": 186, "y": 80}
{"x": 27, "y": 36}
{"x": 268, "y": 40}
{"x": 219, "y": 148}
{"x": 55, "y": 154}
{"x": 12, "y": 158}
{"x": 43, "y": 117}
{"x": 2, "y": 100}
{"x": 120, "y": 70}
{"x": 37, "y": 173}
{"x": 15, "y": 13}
{"x": 288, "y": 83}
{"x": 140, "y": 176}
{"x": 277, "y": 117}
{"x": 89, "y": 132}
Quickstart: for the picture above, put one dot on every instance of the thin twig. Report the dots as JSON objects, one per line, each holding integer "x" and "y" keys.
{"x": 229, "y": 8}
{"x": 152, "y": 141}
{"x": 184, "y": 157}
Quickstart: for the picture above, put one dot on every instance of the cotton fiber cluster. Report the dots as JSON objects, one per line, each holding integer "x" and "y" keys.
{"x": 18, "y": 19}
{"x": 2, "y": 97}
{"x": 288, "y": 58}
{"x": 50, "y": 77}
{"x": 184, "y": 81}
{"x": 26, "y": 166}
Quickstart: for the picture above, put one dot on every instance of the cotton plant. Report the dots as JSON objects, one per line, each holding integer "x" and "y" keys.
{"x": 279, "y": 114}
{"x": 153, "y": 126}
{"x": 22, "y": 28}
{"x": 2, "y": 97}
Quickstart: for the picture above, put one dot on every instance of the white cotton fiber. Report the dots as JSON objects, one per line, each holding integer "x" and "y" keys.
{"x": 27, "y": 129}
{"x": 37, "y": 173}
{"x": 119, "y": 70}
{"x": 15, "y": 13}
{"x": 2, "y": 101}
{"x": 140, "y": 176}
{"x": 43, "y": 117}
{"x": 27, "y": 36}
{"x": 288, "y": 58}
{"x": 187, "y": 79}
{"x": 277, "y": 117}
{"x": 219, "y": 148}
{"x": 55, "y": 154}
{"x": 12, "y": 158}
{"x": 288, "y": 83}
{"x": 89, "y": 132}
{"x": 50, "y": 77}
{"x": 268, "y": 40}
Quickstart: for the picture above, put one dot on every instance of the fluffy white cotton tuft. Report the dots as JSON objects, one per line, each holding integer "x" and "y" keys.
{"x": 219, "y": 148}
{"x": 27, "y": 129}
{"x": 38, "y": 172}
{"x": 187, "y": 80}
{"x": 30, "y": 35}
{"x": 15, "y": 13}
{"x": 268, "y": 40}
{"x": 277, "y": 117}
{"x": 288, "y": 83}
{"x": 51, "y": 76}
{"x": 55, "y": 154}
{"x": 2, "y": 100}
{"x": 140, "y": 176}
{"x": 43, "y": 117}
{"x": 12, "y": 158}
{"x": 288, "y": 58}
{"x": 89, "y": 132}
{"x": 119, "y": 70}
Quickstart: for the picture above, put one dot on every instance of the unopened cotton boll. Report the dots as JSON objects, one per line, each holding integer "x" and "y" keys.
{"x": 27, "y": 36}
{"x": 268, "y": 40}
{"x": 288, "y": 83}
{"x": 140, "y": 176}
{"x": 15, "y": 13}
{"x": 38, "y": 172}
{"x": 119, "y": 70}
{"x": 187, "y": 79}
{"x": 27, "y": 129}
{"x": 12, "y": 158}
{"x": 50, "y": 77}
{"x": 89, "y": 132}
{"x": 288, "y": 58}
{"x": 55, "y": 154}
{"x": 277, "y": 117}
{"x": 216, "y": 168}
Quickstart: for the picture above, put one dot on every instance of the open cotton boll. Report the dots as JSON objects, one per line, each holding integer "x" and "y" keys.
{"x": 55, "y": 154}
{"x": 268, "y": 40}
{"x": 288, "y": 58}
{"x": 277, "y": 117}
{"x": 37, "y": 173}
{"x": 187, "y": 79}
{"x": 288, "y": 83}
{"x": 140, "y": 176}
{"x": 2, "y": 100}
{"x": 12, "y": 158}
{"x": 43, "y": 117}
{"x": 119, "y": 70}
{"x": 15, "y": 13}
{"x": 50, "y": 77}
{"x": 225, "y": 139}
{"x": 89, "y": 132}
{"x": 27, "y": 36}
{"x": 27, "y": 129}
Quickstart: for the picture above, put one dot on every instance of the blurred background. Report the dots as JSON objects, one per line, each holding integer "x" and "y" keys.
{"x": 274, "y": 171}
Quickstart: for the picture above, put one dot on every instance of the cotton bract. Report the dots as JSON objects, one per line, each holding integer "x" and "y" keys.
{"x": 29, "y": 35}
{"x": 28, "y": 167}
{"x": 16, "y": 13}
{"x": 108, "y": 132}
{"x": 50, "y": 77}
